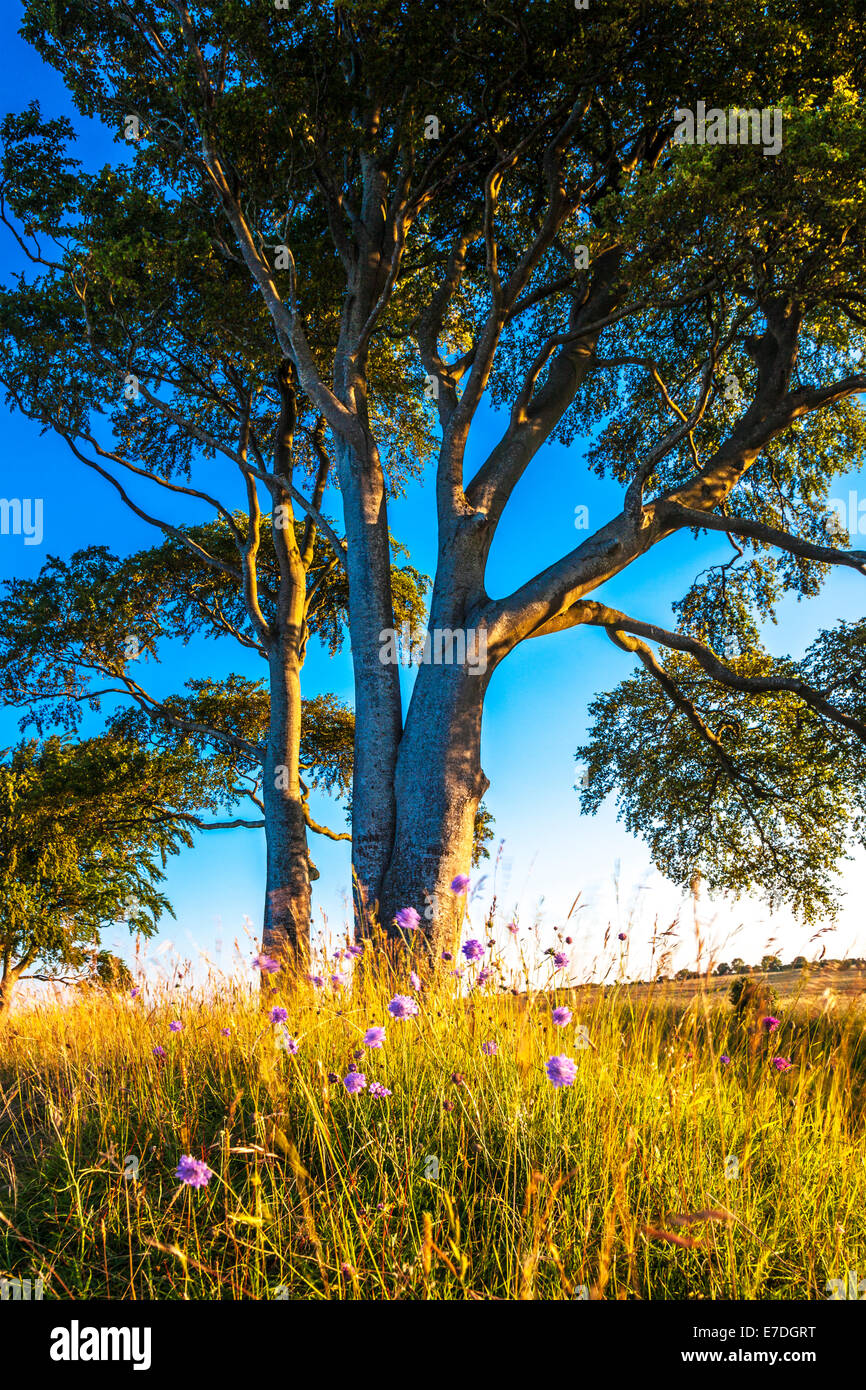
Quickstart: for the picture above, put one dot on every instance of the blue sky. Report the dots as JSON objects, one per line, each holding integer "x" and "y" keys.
{"x": 535, "y": 714}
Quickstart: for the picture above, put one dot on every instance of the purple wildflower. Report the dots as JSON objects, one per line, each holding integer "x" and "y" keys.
{"x": 226, "y": 1032}
{"x": 725, "y": 1059}
{"x": 408, "y": 919}
{"x": 562, "y": 1016}
{"x": 134, "y": 993}
{"x": 401, "y": 1006}
{"x": 561, "y": 1070}
{"x": 484, "y": 975}
{"x": 193, "y": 1171}
{"x": 378, "y": 1090}
{"x": 460, "y": 884}
{"x": 290, "y": 1044}
{"x": 473, "y": 949}
{"x": 357, "y": 950}
{"x": 769, "y": 1024}
{"x": 278, "y": 1015}
{"x": 490, "y": 1049}
{"x": 560, "y": 960}
{"x": 354, "y": 1081}
{"x": 621, "y": 936}
{"x": 374, "y": 1037}
{"x": 266, "y": 964}
{"x": 446, "y": 955}
{"x": 338, "y": 980}
{"x": 316, "y": 980}
{"x": 782, "y": 1063}
{"x": 414, "y": 980}
{"x": 159, "y": 1051}
{"x": 513, "y": 928}
{"x": 175, "y": 1027}
{"x": 333, "y": 1077}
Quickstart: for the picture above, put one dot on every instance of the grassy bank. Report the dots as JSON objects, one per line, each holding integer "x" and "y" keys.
{"x": 662, "y": 1172}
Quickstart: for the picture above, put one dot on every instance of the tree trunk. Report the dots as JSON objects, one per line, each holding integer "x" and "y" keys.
{"x": 7, "y": 988}
{"x": 286, "y": 933}
{"x": 439, "y": 785}
{"x": 378, "y": 712}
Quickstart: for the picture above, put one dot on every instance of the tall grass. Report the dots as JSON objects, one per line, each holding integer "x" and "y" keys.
{"x": 661, "y": 1173}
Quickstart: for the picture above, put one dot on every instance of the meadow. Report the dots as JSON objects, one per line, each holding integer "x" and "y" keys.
{"x": 686, "y": 1152}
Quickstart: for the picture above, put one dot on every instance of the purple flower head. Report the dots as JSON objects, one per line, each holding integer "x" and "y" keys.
{"x": 401, "y": 1006}
{"x": 769, "y": 1024}
{"x": 414, "y": 980}
{"x": 562, "y": 1016}
{"x": 357, "y": 950}
{"x": 378, "y": 1090}
{"x": 473, "y": 949}
{"x": 338, "y": 980}
{"x": 266, "y": 964}
{"x": 621, "y": 936}
{"x": 333, "y": 1077}
{"x": 457, "y": 1078}
{"x": 134, "y": 993}
{"x": 193, "y": 1171}
{"x": 446, "y": 955}
{"x": 226, "y": 1032}
{"x": 278, "y": 1015}
{"x": 560, "y": 960}
{"x": 725, "y": 1060}
{"x": 290, "y": 1044}
{"x": 490, "y": 1049}
{"x": 484, "y": 975}
{"x": 159, "y": 1051}
{"x": 175, "y": 1027}
{"x": 354, "y": 1081}
{"x": 374, "y": 1037}
{"x": 513, "y": 928}
{"x": 561, "y": 1070}
{"x": 460, "y": 884}
{"x": 407, "y": 919}
{"x": 782, "y": 1063}
{"x": 317, "y": 981}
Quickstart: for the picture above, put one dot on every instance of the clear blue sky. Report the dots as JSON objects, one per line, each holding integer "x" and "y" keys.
{"x": 535, "y": 712}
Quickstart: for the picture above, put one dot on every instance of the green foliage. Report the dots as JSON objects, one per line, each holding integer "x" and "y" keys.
{"x": 85, "y": 832}
{"x": 751, "y": 996}
{"x": 771, "y": 805}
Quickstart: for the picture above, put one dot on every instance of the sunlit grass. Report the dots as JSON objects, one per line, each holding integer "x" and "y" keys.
{"x": 493, "y": 1184}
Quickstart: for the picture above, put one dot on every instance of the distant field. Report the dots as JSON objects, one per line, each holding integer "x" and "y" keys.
{"x": 816, "y": 988}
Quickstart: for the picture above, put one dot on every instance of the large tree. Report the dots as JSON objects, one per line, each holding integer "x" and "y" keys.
{"x": 465, "y": 203}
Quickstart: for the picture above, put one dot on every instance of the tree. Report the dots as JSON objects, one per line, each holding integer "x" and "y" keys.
{"x": 85, "y": 830}
{"x": 771, "y": 963}
{"x": 723, "y": 968}
{"x": 543, "y": 240}
{"x": 62, "y": 653}
{"x": 739, "y": 967}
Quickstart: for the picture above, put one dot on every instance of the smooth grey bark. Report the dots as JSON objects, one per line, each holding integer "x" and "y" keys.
{"x": 378, "y": 711}
{"x": 285, "y": 935}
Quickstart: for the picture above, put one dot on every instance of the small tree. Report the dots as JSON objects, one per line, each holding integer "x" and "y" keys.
{"x": 748, "y": 995}
{"x": 723, "y": 968}
{"x": 85, "y": 830}
{"x": 771, "y": 963}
